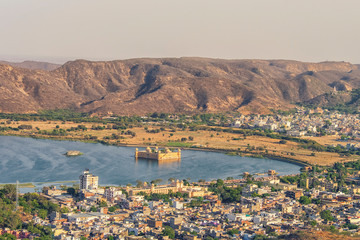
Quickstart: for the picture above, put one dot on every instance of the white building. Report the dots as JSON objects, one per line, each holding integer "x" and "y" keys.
{"x": 178, "y": 205}
{"x": 86, "y": 217}
{"x": 88, "y": 181}
{"x": 111, "y": 192}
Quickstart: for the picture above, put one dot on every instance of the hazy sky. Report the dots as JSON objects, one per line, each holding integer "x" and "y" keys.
{"x": 61, "y": 30}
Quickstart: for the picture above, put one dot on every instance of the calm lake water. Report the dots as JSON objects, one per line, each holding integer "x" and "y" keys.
{"x": 39, "y": 160}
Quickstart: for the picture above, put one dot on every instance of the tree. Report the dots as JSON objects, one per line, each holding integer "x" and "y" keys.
{"x": 7, "y": 236}
{"x": 64, "y": 210}
{"x": 93, "y": 209}
{"x": 260, "y": 237}
{"x": 102, "y": 204}
{"x": 9, "y": 191}
{"x": 71, "y": 191}
{"x": 112, "y": 209}
{"x": 168, "y": 231}
{"x": 232, "y": 232}
{"x": 186, "y": 182}
{"x": 305, "y": 200}
{"x": 333, "y": 229}
{"x": 220, "y": 182}
{"x": 139, "y": 184}
{"x": 42, "y": 213}
{"x": 326, "y": 215}
{"x": 12, "y": 220}
{"x": 315, "y": 201}
{"x": 209, "y": 238}
{"x": 351, "y": 226}
{"x": 156, "y": 181}
{"x": 313, "y": 223}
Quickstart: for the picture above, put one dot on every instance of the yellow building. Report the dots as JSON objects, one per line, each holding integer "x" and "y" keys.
{"x": 162, "y": 189}
{"x": 156, "y": 154}
{"x": 174, "y": 187}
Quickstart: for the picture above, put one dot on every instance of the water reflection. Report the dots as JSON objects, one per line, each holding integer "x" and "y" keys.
{"x": 163, "y": 164}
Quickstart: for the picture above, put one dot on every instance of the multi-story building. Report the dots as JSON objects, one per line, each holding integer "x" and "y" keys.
{"x": 88, "y": 180}
{"x": 111, "y": 192}
{"x": 294, "y": 194}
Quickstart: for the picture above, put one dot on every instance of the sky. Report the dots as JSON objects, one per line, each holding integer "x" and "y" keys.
{"x": 64, "y": 30}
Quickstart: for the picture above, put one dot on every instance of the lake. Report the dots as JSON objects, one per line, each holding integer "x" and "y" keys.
{"x": 41, "y": 160}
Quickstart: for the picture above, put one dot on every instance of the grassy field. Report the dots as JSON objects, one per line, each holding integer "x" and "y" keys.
{"x": 21, "y": 185}
{"x": 209, "y": 140}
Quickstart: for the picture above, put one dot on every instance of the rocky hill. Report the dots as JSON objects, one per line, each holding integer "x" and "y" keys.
{"x": 181, "y": 85}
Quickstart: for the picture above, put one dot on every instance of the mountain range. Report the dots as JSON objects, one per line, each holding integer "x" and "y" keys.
{"x": 33, "y": 65}
{"x": 171, "y": 85}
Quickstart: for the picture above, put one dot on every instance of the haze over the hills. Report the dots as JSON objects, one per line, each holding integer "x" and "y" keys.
{"x": 35, "y": 65}
{"x": 58, "y": 31}
{"x": 172, "y": 85}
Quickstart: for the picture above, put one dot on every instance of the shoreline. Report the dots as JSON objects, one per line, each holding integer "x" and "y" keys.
{"x": 225, "y": 151}
{"x": 35, "y": 184}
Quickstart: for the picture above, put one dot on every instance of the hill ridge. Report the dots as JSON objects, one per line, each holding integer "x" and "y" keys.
{"x": 173, "y": 85}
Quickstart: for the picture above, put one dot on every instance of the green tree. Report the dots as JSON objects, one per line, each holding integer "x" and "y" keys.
{"x": 351, "y": 226}
{"x": 168, "y": 231}
{"x": 102, "y": 204}
{"x": 209, "y": 238}
{"x": 139, "y": 184}
{"x": 260, "y": 237}
{"x": 12, "y": 220}
{"x": 315, "y": 201}
{"x": 220, "y": 182}
{"x": 71, "y": 191}
{"x": 9, "y": 191}
{"x": 305, "y": 200}
{"x": 64, "y": 210}
{"x": 232, "y": 232}
{"x": 42, "y": 213}
{"x": 7, "y": 236}
{"x": 156, "y": 181}
{"x": 326, "y": 215}
{"x": 112, "y": 209}
{"x": 93, "y": 209}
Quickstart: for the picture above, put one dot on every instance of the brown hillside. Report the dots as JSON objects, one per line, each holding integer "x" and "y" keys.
{"x": 140, "y": 86}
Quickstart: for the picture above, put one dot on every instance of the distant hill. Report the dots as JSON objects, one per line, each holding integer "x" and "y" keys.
{"x": 345, "y": 101}
{"x": 33, "y": 65}
{"x": 172, "y": 85}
